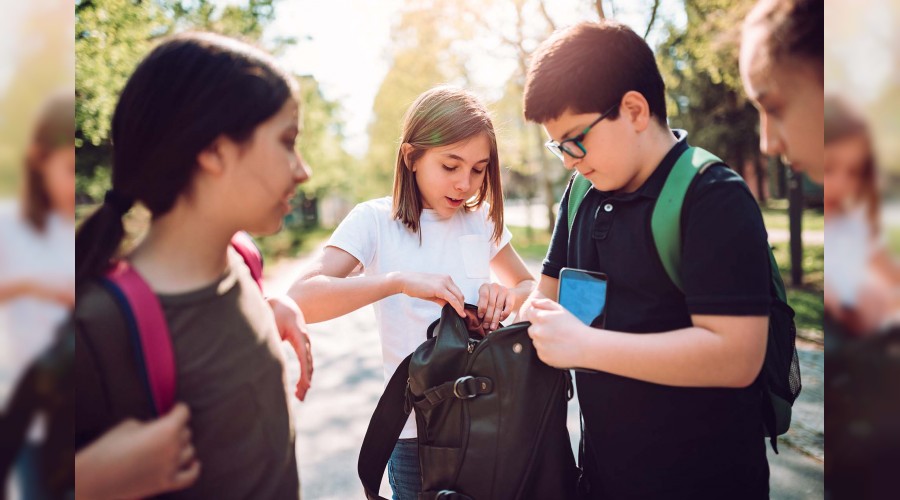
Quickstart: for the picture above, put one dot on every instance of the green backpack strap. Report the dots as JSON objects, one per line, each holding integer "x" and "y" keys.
{"x": 665, "y": 222}
{"x": 580, "y": 187}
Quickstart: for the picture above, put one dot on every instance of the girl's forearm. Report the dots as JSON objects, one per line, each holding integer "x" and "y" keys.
{"x": 16, "y": 289}
{"x": 325, "y": 297}
{"x": 521, "y": 292}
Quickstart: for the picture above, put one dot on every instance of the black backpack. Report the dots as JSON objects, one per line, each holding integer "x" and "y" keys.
{"x": 491, "y": 417}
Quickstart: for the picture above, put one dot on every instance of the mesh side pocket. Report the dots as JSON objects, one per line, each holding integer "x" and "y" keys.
{"x": 782, "y": 363}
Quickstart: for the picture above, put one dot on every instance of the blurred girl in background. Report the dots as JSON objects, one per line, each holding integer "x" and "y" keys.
{"x": 37, "y": 283}
{"x": 860, "y": 273}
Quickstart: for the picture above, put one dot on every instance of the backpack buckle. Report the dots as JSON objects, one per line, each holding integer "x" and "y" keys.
{"x": 469, "y": 393}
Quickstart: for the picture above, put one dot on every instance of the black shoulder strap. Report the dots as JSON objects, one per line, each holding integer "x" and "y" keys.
{"x": 384, "y": 429}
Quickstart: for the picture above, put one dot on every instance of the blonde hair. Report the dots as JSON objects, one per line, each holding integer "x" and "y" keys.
{"x": 441, "y": 116}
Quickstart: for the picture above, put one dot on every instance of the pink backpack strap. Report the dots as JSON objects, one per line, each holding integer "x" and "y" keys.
{"x": 243, "y": 243}
{"x": 149, "y": 333}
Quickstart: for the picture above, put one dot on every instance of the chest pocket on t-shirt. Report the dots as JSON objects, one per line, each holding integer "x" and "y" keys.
{"x": 476, "y": 254}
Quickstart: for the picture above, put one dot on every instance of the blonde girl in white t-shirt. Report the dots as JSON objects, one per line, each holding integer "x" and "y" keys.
{"x": 434, "y": 242}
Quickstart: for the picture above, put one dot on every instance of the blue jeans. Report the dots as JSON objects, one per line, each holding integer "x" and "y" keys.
{"x": 403, "y": 470}
{"x": 31, "y": 480}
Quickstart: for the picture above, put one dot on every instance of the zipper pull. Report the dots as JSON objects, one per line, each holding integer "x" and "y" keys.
{"x": 472, "y": 345}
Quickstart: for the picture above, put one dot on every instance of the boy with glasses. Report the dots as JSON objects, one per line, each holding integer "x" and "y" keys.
{"x": 671, "y": 409}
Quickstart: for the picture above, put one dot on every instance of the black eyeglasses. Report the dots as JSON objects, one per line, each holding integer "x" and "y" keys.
{"x": 558, "y": 148}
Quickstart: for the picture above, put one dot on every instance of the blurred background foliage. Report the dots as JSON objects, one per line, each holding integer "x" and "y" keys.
{"x": 440, "y": 41}
{"x": 36, "y": 49}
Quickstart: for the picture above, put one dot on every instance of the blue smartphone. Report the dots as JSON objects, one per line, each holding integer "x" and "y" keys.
{"x": 583, "y": 293}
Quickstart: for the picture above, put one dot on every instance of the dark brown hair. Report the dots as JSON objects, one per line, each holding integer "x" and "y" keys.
{"x": 842, "y": 121}
{"x": 439, "y": 117}
{"x": 191, "y": 89}
{"x": 795, "y": 30}
{"x": 55, "y": 129}
{"x": 587, "y": 68}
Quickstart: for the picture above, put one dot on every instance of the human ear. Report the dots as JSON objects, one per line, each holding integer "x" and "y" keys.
{"x": 636, "y": 110}
{"x": 406, "y": 149}
{"x": 214, "y": 158}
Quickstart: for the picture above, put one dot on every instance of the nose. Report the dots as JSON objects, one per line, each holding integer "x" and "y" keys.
{"x": 770, "y": 141}
{"x": 569, "y": 163}
{"x": 302, "y": 172}
{"x": 463, "y": 182}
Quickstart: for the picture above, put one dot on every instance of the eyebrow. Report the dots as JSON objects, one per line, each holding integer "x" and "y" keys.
{"x": 571, "y": 130}
{"x": 460, "y": 158}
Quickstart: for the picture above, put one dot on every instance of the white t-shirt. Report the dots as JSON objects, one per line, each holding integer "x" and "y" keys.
{"x": 28, "y": 325}
{"x": 458, "y": 246}
{"x": 850, "y": 250}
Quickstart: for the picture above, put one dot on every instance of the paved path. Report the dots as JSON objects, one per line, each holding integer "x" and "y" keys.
{"x": 348, "y": 382}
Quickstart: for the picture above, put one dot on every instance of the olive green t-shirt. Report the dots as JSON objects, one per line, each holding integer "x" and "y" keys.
{"x": 229, "y": 370}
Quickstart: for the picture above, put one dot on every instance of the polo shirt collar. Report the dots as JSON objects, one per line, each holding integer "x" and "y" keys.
{"x": 657, "y": 179}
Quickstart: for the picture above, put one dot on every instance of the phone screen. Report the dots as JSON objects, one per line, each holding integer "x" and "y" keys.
{"x": 583, "y": 293}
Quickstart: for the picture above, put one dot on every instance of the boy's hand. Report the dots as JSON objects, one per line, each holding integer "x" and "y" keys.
{"x": 556, "y": 333}
{"x": 292, "y": 328}
{"x": 437, "y": 288}
{"x": 495, "y": 304}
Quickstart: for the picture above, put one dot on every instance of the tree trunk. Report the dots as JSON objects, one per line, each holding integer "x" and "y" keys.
{"x": 546, "y": 179}
{"x": 760, "y": 178}
{"x": 795, "y": 216}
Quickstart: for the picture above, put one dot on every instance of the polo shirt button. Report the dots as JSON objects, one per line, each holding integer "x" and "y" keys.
{"x": 608, "y": 207}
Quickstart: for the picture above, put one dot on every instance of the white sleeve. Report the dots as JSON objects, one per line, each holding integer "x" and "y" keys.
{"x": 7, "y": 238}
{"x": 356, "y": 234}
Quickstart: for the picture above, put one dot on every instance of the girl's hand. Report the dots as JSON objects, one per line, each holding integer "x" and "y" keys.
{"x": 437, "y": 288}
{"x": 134, "y": 459}
{"x": 556, "y": 333}
{"x": 495, "y": 304}
{"x": 292, "y": 328}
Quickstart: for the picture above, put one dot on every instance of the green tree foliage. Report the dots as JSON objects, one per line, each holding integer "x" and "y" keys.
{"x": 111, "y": 37}
{"x": 38, "y": 63}
{"x": 421, "y": 57}
{"x": 321, "y": 141}
{"x": 699, "y": 64}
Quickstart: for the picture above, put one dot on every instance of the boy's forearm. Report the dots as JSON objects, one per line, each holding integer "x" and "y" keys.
{"x": 325, "y": 297}
{"x": 690, "y": 357}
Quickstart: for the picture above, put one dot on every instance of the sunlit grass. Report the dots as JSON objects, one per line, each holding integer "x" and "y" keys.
{"x": 806, "y": 299}
{"x": 777, "y": 218}
{"x": 530, "y": 244}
